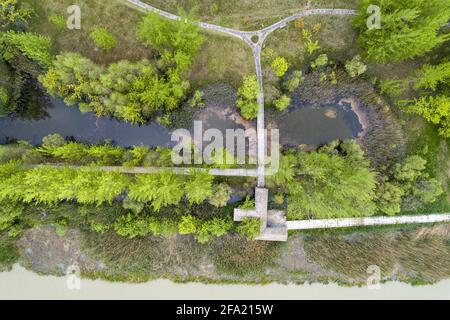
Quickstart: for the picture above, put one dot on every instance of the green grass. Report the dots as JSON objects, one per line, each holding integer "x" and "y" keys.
{"x": 249, "y": 14}
{"x": 339, "y": 45}
{"x": 113, "y": 15}
{"x": 8, "y": 251}
{"x": 423, "y": 254}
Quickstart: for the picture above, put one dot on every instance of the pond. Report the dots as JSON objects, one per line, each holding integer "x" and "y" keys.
{"x": 70, "y": 122}
{"x": 301, "y": 124}
{"x": 315, "y": 125}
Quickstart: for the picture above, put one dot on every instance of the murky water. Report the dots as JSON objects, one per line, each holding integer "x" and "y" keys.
{"x": 316, "y": 125}
{"x": 303, "y": 125}
{"x": 23, "y": 284}
{"x": 70, "y": 122}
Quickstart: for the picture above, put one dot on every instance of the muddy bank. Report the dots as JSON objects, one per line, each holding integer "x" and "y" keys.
{"x": 416, "y": 255}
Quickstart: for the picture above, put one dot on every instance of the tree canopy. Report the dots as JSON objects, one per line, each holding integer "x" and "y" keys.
{"x": 409, "y": 28}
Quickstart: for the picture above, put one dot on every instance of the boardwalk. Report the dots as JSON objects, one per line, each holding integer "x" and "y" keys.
{"x": 240, "y": 172}
{"x": 370, "y": 221}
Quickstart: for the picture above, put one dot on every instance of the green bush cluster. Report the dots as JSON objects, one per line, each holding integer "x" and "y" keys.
{"x": 103, "y": 38}
{"x": 139, "y": 225}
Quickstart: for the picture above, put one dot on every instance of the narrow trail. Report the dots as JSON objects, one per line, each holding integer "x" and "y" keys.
{"x": 248, "y": 37}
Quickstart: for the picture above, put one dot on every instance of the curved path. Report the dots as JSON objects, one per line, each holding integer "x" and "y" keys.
{"x": 248, "y": 37}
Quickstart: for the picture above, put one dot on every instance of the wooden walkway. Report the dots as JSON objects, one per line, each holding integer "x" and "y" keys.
{"x": 370, "y": 221}
{"x": 239, "y": 172}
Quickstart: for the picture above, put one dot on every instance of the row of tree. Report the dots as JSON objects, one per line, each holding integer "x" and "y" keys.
{"x": 336, "y": 182}
{"x": 88, "y": 185}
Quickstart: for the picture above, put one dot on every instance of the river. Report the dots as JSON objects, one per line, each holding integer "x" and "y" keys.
{"x": 22, "y": 284}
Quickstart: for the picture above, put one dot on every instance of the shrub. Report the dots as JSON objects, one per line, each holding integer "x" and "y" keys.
{"x": 321, "y": 61}
{"x": 282, "y": 103}
{"x": 58, "y": 21}
{"x": 53, "y": 141}
{"x": 8, "y": 252}
{"x": 311, "y": 45}
{"x": 132, "y": 225}
{"x": 355, "y": 67}
{"x": 280, "y": 66}
{"x": 187, "y": 225}
{"x": 103, "y": 38}
{"x": 294, "y": 81}
{"x": 250, "y": 228}
{"x": 220, "y": 195}
{"x": 247, "y": 97}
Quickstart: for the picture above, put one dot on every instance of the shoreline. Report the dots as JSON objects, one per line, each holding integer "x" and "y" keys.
{"x": 362, "y": 116}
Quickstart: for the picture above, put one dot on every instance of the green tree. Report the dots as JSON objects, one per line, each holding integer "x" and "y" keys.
{"x": 409, "y": 28}
{"x": 169, "y": 35}
{"x": 280, "y": 66}
{"x": 187, "y": 225}
{"x": 70, "y": 152}
{"x": 161, "y": 189}
{"x": 355, "y": 67}
{"x": 335, "y": 182}
{"x": 166, "y": 227}
{"x": 198, "y": 187}
{"x": 429, "y": 76}
{"x": 249, "y": 228}
{"x": 435, "y": 110}
{"x": 321, "y": 61}
{"x": 417, "y": 186}
{"x": 282, "y": 103}
{"x": 103, "y": 38}
{"x": 220, "y": 195}
{"x": 247, "y": 97}
{"x": 293, "y": 81}
{"x": 34, "y": 47}
{"x": 132, "y": 225}
{"x": 311, "y": 45}
{"x": 11, "y": 13}
{"x": 53, "y": 141}
{"x": 389, "y": 197}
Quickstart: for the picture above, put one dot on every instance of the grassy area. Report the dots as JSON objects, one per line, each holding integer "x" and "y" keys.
{"x": 339, "y": 45}
{"x": 418, "y": 255}
{"x": 8, "y": 251}
{"x": 100, "y": 13}
{"x": 249, "y": 14}
{"x": 222, "y": 59}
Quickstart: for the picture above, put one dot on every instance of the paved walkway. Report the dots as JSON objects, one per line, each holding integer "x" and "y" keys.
{"x": 370, "y": 221}
{"x": 152, "y": 170}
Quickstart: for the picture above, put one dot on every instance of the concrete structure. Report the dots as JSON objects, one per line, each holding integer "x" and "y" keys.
{"x": 370, "y": 221}
{"x": 273, "y": 222}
